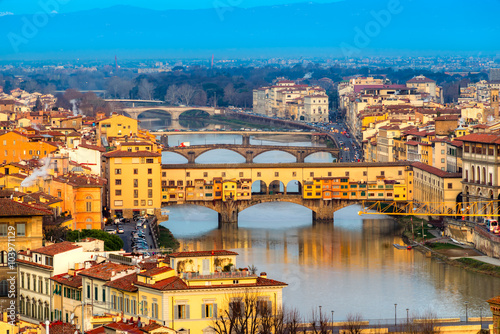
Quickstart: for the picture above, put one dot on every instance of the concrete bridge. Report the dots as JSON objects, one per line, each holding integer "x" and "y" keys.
{"x": 174, "y": 112}
{"x": 322, "y": 211}
{"x": 249, "y": 152}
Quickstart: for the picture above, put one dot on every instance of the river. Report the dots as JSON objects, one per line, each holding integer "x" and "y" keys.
{"x": 348, "y": 267}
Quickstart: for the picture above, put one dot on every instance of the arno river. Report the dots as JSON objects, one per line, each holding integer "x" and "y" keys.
{"x": 348, "y": 267}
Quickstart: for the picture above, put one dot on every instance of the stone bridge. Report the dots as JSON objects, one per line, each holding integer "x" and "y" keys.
{"x": 174, "y": 112}
{"x": 322, "y": 210}
{"x": 249, "y": 152}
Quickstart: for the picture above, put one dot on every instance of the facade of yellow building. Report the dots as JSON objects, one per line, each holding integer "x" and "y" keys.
{"x": 116, "y": 126}
{"x": 15, "y": 147}
{"x": 134, "y": 175}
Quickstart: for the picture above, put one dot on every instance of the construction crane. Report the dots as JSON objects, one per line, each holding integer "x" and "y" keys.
{"x": 460, "y": 209}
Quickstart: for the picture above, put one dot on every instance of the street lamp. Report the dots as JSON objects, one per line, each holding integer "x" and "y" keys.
{"x": 407, "y": 316}
{"x": 332, "y": 320}
{"x": 395, "y": 314}
{"x": 466, "y": 312}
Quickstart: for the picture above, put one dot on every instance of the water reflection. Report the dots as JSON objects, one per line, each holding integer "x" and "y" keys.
{"x": 350, "y": 266}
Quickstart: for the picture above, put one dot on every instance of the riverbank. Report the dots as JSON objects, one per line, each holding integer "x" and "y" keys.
{"x": 167, "y": 240}
{"x": 433, "y": 244}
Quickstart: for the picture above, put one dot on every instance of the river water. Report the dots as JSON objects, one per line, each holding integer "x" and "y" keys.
{"x": 348, "y": 267}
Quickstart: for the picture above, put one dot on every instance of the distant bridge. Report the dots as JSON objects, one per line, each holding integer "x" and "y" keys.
{"x": 249, "y": 152}
{"x": 174, "y": 112}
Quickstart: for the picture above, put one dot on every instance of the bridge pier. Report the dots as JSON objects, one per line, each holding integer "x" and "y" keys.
{"x": 300, "y": 156}
{"x": 228, "y": 214}
{"x": 164, "y": 140}
{"x": 191, "y": 157}
{"x": 249, "y": 157}
{"x": 245, "y": 140}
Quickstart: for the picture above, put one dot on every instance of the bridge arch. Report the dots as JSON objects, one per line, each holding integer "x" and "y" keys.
{"x": 259, "y": 187}
{"x": 226, "y": 149}
{"x": 194, "y": 112}
{"x": 289, "y": 153}
{"x": 160, "y": 111}
{"x": 276, "y": 187}
{"x": 294, "y": 187}
{"x": 311, "y": 155}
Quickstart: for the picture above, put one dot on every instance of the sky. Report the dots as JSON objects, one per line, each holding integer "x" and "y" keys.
{"x": 32, "y": 6}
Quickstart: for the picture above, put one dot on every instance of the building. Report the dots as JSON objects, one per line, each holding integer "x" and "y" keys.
{"x": 15, "y": 147}
{"x": 115, "y": 126}
{"x": 134, "y": 174}
{"x": 438, "y": 189}
{"x": 20, "y": 229}
{"x": 427, "y": 86}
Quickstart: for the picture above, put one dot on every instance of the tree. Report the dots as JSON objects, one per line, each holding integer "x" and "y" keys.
{"x": 118, "y": 87}
{"x": 425, "y": 324}
{"x": 186, "y": 93}
{"x": 230, "y": 94}
{"x": 200, "y": 98}
{"x": 172, "y": 95}
{"x": 292, "y": 321}
{"x": 146, "y": 89}
{"x": 318, "y": 322}
{"x": 111, "y": 242}
{"x": 353, "y": 323}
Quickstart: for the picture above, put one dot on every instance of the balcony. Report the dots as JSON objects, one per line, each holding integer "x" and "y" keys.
{"x": 466, "y": 180}
{"x": 236, "y": 274}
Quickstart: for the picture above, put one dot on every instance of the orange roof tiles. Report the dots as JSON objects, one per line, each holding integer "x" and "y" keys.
{"x": 55, "y": 249}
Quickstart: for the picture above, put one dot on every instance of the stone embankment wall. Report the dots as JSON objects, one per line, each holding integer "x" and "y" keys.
{"x": 474, "y": 235}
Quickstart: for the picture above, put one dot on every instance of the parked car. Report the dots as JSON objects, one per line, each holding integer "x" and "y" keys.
{"x": 110, "y": 230}
{"x": 120, "y": 229}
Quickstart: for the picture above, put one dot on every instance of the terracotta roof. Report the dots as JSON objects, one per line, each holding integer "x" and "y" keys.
{"x": 69, "y": 280}
{"x": 171, "y": 283}
{"x": 447, "y": 118}
{"x": 122, "y": 154}
{"x": 481, "y": 138}
{"x": 412, "y": 143}
{"x": 60, "y": 327}
{"x": 12, "y": 208}
{"x": 155, "y": 271}
{"x": 34, "y": 264}
{"x": 77, "y": 180}
{"x": 420, "y": 79}
{"x": 38, "y": 196}
{"x": 93, "y": 147}
{"x": 125, "y": 283}
{"x": 104, "y": 271}
{"x": 203, "y": 253}
{"x": 55, "y": 249}
{"x": 436, "y": 171}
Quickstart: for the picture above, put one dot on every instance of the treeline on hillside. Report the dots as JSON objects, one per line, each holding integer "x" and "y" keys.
{"x": 200, "y": 86}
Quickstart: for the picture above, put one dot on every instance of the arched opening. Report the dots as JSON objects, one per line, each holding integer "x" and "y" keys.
{"x": 220, "y": 156}
{"x": 274, "y": 156}
{"x": 320, "y": 157}
{"x": 276, "y": 187}
{"x": 472, "y": 178}
{"x": 294, "y": 187}
{"x": 484, "y": 176}
{"x": 188, "y": 220}
{"x": 265, "y": 215}
{"x": 478, "y": 175}
{"x": 259, "y": 187}
{"x": 155, "y": 119}
{"x": 194, "y": 119}
{"x": 172, "y": 158}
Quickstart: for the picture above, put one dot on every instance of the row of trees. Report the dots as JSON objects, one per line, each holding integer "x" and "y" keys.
{"x": 249, "y": 313}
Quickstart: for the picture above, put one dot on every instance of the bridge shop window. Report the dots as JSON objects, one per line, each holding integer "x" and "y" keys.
{"x": 311, "y": 174}
{"x": 188, "y": 174}
{"x": 365, "y": 173}
{"x": 164, "y": 174}
{"x": 294, "y": 173}
{"x": 150, "y": 161}
{"x": 346, "y": 173}
{"x": 241, "y": 174}
{"x": 276, "y": 174}
{"x": 136, "y": 183}
{"x": 205, "y": 174}
{"x": 329, "y": 173}
{"x": 258, "y": 175}
{"x": 223, "y": 174}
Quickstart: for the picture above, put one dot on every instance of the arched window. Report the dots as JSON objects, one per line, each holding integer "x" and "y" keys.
{"x": 484, "y": 175}
{"x": 4, "y": 287}
{"x": 478, "y": 174}
{"x": 88, "y": 203}
{"x": 88, "y": 220}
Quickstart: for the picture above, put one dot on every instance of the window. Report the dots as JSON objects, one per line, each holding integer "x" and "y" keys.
{"x": 241, "y": 174}
{"x": 400, "y": 172}
{"x": 205, "y": 174}
{"x": 181, "y": 312}
{"x": 294, "y": 173}
{"x": 113, "y": 302}
{"x": 136, "y": 171}
{"x": 118, "y": 203}
{"x": 150, "y": 170}
{"x": 382, "y": 173}
{"x": 136, "y": 193}
{"x": 188, "y": 174}
{"x": 150, "y": 161}
{"x": 118, "y": 182}
{"x": 311, "y": 174}
{"x": 276, "y": 174}
{"x": 136, "y": 183}
{"x": 127, "y": 305}
{"x": 3, "y": 230}
{"x": 442, "y": 160}
{"x": 136, "y": 202}
{"x": 118, "y": 192}
{"x": 209, "y": 310}
{"x": 133, "y": 306}
{"x": 150, "y": 193}
{"x": 258, "y": 174}
{"x": 150, "y": 182}
{"x": 144, "y": 307}
{"x": 346, "y": 173}
{"x": 118, "y": 171}
{"x": 154, "y": 310}
{"x": 143, "y": 202}
{"x": 88, "y": 291}
{"x": 21, "y": 229}
{"x": 364, "y": 173}
{"x": 103, "y": 294}
{"x": 223, "y": 174}
{"x": 96, "y": 293}
{"x": 88, "y": 206}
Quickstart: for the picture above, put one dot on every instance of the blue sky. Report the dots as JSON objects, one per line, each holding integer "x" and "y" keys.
{"x": 33, "y": 6}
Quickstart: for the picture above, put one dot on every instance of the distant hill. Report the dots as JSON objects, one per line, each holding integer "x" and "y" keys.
{"x": 335, "y": 29}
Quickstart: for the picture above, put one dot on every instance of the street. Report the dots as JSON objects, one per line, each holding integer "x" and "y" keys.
{"x": 129, "y": 229}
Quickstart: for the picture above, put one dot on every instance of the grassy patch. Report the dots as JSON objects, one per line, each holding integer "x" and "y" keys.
{"x": 480, "y": 266}
{"x": 166, "y": 239}
{"x": 442, "y": 245}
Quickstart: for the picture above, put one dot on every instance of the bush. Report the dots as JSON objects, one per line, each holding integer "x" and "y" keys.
{"x": 111, "y": 242}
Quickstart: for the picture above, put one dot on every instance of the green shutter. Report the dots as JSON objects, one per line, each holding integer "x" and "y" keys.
{"x": 203, "y": 311}
{"x": 187, "y": 312}
{"x": 176, "y": 312}
{"x": 215, "y": 311}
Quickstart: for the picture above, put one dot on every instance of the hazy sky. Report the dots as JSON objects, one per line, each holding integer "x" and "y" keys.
{"x": 33, "y": 6}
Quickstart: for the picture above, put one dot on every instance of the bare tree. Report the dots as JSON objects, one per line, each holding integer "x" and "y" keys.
{"x": 186, "y": 93}
{"x": 292, "y": 321}
{"x": 353, "y": 323}
{"x": 318, "y": 322}
{"x": 118, "y": 87}
{"x": 425, "y": 324}
{"x": 241, "y": 316}
{"x": 279, "y": 321}
{"x": 172, "y": 95}
{"x": 146, "y": 89}
{"x": 230, "y": 94}
{"x": 200, "y": 98}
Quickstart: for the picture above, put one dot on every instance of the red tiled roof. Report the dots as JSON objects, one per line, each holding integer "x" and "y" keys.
{"x": 33, "y": 264}
{"x": 12, "y": 208}
{"x": 69, "y": 280}
{"x": 60, "y": 327}
{"x": 123, "y": 154}
{"x": 81, "y": 180}
{"x": 58, "y": 248}
{"x": 203, "y": 253}
{"x": 420, "y": 79}
{"x": 155, "y": 271}
{"x": 104, "y": 271}
{"x": 125, "y": 283}
{"x": 412, "y": 143}
{"x": 171, "y": 283}
{"x": 435, "y": 171}
{"x": 481, "y": 138}
{"x": 93, "y": 147}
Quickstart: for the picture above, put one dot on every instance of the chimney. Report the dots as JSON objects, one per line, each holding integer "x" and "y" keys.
{"x": 494, "y": 101}
{"x": 263, "y": 275}
{"x": 28, "y": 252}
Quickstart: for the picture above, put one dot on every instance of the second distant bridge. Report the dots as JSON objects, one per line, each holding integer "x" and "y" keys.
{"x": 249, "y": 152}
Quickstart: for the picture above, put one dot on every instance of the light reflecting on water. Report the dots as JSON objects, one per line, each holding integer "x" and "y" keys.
{"x": 347, "y": 267}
